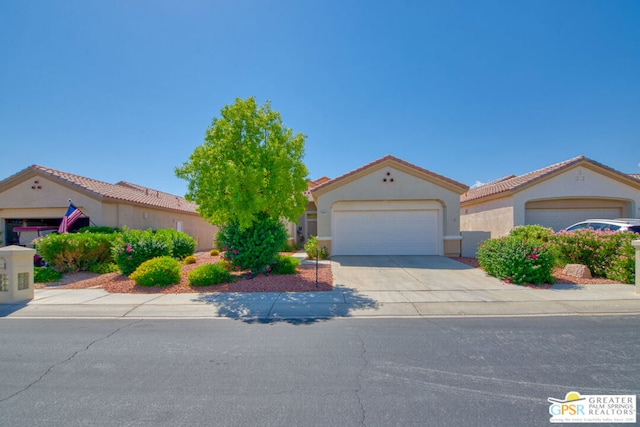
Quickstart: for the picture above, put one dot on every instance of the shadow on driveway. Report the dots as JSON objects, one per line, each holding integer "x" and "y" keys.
{"x": 296, "y": 308}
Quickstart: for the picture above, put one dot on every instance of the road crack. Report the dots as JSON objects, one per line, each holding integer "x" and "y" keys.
{"x": 365, "y": 365}
{"x": 55, "y": 365}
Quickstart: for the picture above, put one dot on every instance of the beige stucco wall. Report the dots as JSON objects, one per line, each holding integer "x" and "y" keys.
{"x": 581, "y": 186}
{"x": 405, "y": 187}
{"x": 494, "y": 216}
{"x": 51, "y": 201}
{"x": 578, "y": 182}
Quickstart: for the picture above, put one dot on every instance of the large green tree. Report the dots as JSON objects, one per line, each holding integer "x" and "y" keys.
{"x": 249, "y": 166}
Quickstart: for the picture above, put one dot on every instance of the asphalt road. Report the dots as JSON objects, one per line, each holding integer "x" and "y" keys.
{"x": 342, "y": 372}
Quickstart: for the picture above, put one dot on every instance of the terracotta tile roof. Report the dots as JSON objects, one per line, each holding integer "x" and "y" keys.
{"x": 319, "y": 181}
{"x": 514, "y": 183}
{"x": 388, "y": 157}
{"x": 123, "y": 191}
{"x": 313, "y": 184}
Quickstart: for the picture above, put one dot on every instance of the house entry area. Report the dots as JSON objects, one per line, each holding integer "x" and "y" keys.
{"x": 387, "y": 228}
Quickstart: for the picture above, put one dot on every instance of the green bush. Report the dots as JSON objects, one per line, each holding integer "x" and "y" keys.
{"x": 226, "y": 264}
{"x": 286, "y": 247}
{"x": 75, "y": 252}
{"x": 532, "y": 232}
{"x": 596, "y": 249}
{"x": 285, "y": 265}
{"x": 133, "y": 247}
{"x": 209, "y": 274}
{"x": 45, "y": 274}
{"x": 623, "y": 265}
{"x": 182, "y": 244}
{"x": 517, "y": 260}
{"x": 160, "y": 271}
{"x": 103, "y": 268}
{"x": 311, "y": 246}
{"x": 256, "y": 247}
{"x": 190, "y": 260}
{"x": 98, "y": 229}
{"x": 217, "y": 242}
{"x": 214, "y": 252}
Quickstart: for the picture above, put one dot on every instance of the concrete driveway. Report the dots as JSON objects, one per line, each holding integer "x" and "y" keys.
{"x": 410, "y": 274}
{"x": 433, "y": 286}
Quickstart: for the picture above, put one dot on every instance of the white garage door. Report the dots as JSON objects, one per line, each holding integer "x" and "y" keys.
{"x": 562, "y": 218}
{"x": 390, "y": 232}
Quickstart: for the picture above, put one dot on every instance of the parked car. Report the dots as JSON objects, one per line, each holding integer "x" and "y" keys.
{"x": 620, "y": 224}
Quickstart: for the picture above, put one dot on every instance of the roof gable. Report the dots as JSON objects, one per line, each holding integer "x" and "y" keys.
{"x": 512, "y": 184}
{"x": 122, "y": 191}
{"x": 390, "y": 160}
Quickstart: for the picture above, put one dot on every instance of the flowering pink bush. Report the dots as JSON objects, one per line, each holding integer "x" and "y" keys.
{"x": 606, "y": 253}
{"x": 517, "y": 259}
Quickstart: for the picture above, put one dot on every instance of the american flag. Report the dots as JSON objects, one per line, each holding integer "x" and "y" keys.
{"x": 69, "y": 218}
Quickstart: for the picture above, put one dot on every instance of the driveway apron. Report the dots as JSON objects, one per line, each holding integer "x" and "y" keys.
{"x": 410, "y": 273}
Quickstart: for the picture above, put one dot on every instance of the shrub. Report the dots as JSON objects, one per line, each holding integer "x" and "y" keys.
{"x": 214, "y": 252}
{"x": 45, "y": 274}
{"x": 596, "y": 249}
{"x": 209, "y": 274}
{"x": 133, "y": 247}
{"x": 225, "y": 264}
{"x": 285, "y": 265}
{"x": 190, "y": 260}
{"x": 217, "y": 242}
{"x": 98, "y": 229}
{"x": 532, "y": 232}
{"x": 160, "y": 271}
{"x": 286, "y": 247}
{"x": 623, "y": 265}
{"x": 517, "y": 260}
{"x": 256, "y": 247}
{"x": 182, "y": 244}
{"x": 311, "y": 246}
{"x": 103, "y": 268}
{"x": 75, "y": 252}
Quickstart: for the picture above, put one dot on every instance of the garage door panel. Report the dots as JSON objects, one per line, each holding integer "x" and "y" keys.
{"x": 559, "y": 219}
{"x": 385, "y": 233}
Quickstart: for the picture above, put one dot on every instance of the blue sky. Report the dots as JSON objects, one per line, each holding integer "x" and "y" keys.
{"x": 473, "y": 90}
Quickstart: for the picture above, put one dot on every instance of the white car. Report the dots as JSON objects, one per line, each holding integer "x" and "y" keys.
{"x": 620, "y": 224}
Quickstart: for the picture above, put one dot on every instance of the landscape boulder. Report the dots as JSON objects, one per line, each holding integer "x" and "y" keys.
{"x": 577, "y": 270}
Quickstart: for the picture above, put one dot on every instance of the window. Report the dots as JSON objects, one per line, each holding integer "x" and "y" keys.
{"x": 23, "y": 281}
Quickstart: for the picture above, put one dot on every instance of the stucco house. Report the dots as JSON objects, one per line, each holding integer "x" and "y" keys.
{"x": 387, "y": 207}
{"x": 38, "y": 197}
{"x": 555, "y": 196}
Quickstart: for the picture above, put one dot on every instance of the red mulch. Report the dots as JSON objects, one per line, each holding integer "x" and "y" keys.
{"x": 303, "y": 281}
{"x": 557, "y": 275}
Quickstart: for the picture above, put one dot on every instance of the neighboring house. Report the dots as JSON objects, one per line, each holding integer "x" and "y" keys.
{"x": 38, "y": 197}
{"x": 556, "y": 196}
{"x": 388, "y": 207}
{"x": 635, "y": 175}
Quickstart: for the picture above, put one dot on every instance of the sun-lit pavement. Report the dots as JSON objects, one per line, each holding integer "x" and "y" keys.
{"x": 385, "y": 286}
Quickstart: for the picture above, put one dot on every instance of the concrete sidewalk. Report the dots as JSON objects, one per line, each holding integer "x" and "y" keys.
{"x": 504, "y": 300}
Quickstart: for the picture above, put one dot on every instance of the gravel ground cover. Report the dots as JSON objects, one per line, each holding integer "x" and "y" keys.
{"x": 303, "y": 281}
{"x": 557, "y": 274}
